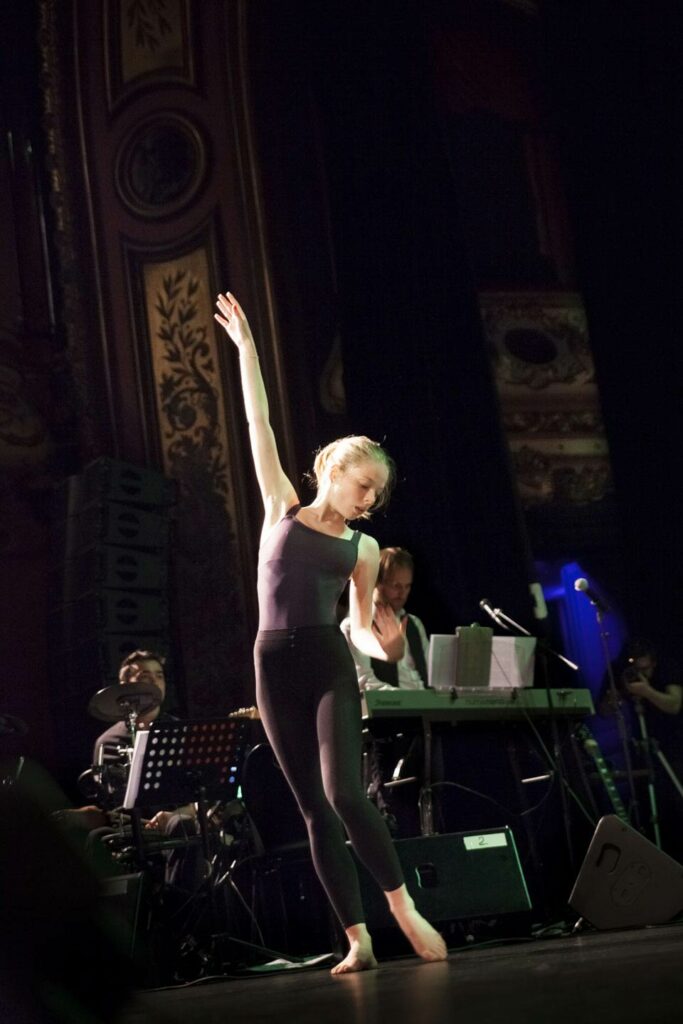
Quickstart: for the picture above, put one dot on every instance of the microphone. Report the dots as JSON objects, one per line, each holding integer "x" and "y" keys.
{"x": 582, "y": 586}
{"x": 485, "y": 605}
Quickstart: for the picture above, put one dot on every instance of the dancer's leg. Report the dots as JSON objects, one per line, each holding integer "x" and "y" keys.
{"x": 288, "y": 710}
{"x": 339, "y": 735}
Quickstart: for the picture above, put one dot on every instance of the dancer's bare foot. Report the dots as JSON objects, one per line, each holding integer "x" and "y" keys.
{"x": 424, "y": 939}
{"x": 360, "y": 956}
{"x": 357, "y": 959}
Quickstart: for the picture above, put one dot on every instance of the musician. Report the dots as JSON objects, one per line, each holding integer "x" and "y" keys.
{"x": 648, "y": 683}
{"x": 638, "y": 674}
{"x": 396, "y": 755}
{"x": 392, "y": 590}
{"x": 99, "y": 821}
{"x": 645, "y": 680}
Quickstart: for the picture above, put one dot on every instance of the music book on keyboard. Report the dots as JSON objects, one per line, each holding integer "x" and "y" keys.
{"x": 510, "y": 665}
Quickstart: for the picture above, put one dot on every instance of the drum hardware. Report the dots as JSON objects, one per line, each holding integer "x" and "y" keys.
{"x": 106, "y": 783}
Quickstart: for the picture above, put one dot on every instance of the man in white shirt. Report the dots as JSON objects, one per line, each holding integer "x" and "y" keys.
{"x": 394, "y": 581}
{"x": 393, "y": 756}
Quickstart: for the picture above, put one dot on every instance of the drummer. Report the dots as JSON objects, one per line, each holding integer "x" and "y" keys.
{"x": 143, "y": 671}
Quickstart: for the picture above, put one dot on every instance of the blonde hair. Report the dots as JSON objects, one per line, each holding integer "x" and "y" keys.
{"x": 350, "y": 451}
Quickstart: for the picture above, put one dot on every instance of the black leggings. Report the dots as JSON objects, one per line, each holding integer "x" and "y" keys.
{"x": 308, "y": 698}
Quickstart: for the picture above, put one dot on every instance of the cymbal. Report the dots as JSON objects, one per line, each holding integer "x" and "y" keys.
{"x": 113, "y": 703}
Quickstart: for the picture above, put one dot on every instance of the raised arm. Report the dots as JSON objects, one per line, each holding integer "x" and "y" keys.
{"x": 277, "y": 491}
{"x": 363, "y": 633}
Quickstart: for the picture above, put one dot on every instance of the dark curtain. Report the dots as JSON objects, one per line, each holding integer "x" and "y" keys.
{"x": 415, "y": 365}
{"x": 615, "y": 70}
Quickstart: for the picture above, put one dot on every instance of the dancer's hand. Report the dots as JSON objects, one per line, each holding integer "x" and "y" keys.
{"x": 390, "y": 633}
{"x": 231, "y": 317}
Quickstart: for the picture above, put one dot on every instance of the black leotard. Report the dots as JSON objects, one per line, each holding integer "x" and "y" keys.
{"x": 308, "y": 697}
{"x": 302, "y": 573}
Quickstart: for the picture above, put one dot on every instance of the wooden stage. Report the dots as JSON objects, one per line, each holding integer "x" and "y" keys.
{"x": 620, "y": 977}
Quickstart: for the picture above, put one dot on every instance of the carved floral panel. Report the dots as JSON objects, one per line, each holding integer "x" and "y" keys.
{"x": 188, "y": 388}
{"x": 190, "y": 409}
{"x": 146, "y": 40}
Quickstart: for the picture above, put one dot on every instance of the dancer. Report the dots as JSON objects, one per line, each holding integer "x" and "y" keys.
{"x": 306, "y": 686}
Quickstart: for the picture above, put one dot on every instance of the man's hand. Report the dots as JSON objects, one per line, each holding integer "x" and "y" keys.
{"x": 639, "y": 688}
{"x": 160, "y": 820}
{"x": 390, "y": 633}
{"x": 86, "y": 818}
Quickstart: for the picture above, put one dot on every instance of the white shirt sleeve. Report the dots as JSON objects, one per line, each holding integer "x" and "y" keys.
{"x": 408, "y": 676}
{"x": 367, "y": 680}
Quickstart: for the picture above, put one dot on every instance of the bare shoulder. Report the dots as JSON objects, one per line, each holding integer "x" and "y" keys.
{"x": 368, "y": 548}
{"x": 368, "y": 557}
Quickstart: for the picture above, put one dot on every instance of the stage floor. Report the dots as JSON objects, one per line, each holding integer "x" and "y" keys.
{"x": 591, "y": 978}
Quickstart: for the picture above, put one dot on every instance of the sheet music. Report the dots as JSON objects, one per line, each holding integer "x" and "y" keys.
{"x": 137, "y": 761}
{"x": 512, "y": 662}
{"x": 441, "y": 661}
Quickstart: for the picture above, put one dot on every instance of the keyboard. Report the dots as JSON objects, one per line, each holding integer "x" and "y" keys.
{"x": 488, "y": 705}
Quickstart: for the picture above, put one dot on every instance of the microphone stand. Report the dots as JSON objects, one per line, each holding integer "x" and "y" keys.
{"x": 544, "y": 650}
{"x": 647, "y": 752}
{"x": 621, "y": 721}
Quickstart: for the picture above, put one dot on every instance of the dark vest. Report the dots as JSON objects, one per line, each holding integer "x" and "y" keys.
{"x": 387, "y": 671}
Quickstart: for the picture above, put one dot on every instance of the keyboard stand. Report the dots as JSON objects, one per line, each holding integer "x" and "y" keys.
{"x": 426, "y": 803}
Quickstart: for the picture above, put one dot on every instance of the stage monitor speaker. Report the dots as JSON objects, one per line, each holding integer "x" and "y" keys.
{"x": 454, "y": 877}
{"x": 625, "y": 881}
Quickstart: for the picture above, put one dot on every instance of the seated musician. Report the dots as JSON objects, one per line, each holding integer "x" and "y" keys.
{"x": 394, "y": 582}
{"x": 395, "y": 756}
{"x": 109, "y": 751}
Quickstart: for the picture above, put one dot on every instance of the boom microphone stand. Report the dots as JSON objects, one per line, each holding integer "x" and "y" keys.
{"x": 650, "y": 746}
{"x": 581, "y": 585}
{"x": 654, "y": 744}
{"x": 647, "y": 751}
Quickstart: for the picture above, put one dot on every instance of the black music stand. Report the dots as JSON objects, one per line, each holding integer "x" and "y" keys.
{"x": 180, "y": 762}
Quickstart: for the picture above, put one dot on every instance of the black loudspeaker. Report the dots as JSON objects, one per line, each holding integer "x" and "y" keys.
{"x": 454, "y": 877}
{"x": 625, "y": 881}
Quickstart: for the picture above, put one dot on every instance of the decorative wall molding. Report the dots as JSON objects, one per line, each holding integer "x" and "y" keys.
{"x": 70, "y": 235}
{"x": 161, "y": 165}
{"x": 180, "y": 389}
{"x": 544, "y": 372}
{"x": 147, "y": 43}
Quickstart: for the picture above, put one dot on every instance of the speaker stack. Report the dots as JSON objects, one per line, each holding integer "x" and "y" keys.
{"x": 109, "y": 585}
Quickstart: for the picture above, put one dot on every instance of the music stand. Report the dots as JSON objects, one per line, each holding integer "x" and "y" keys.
{"x": 180, "y": 762}
{"x": 175, "y": 762}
